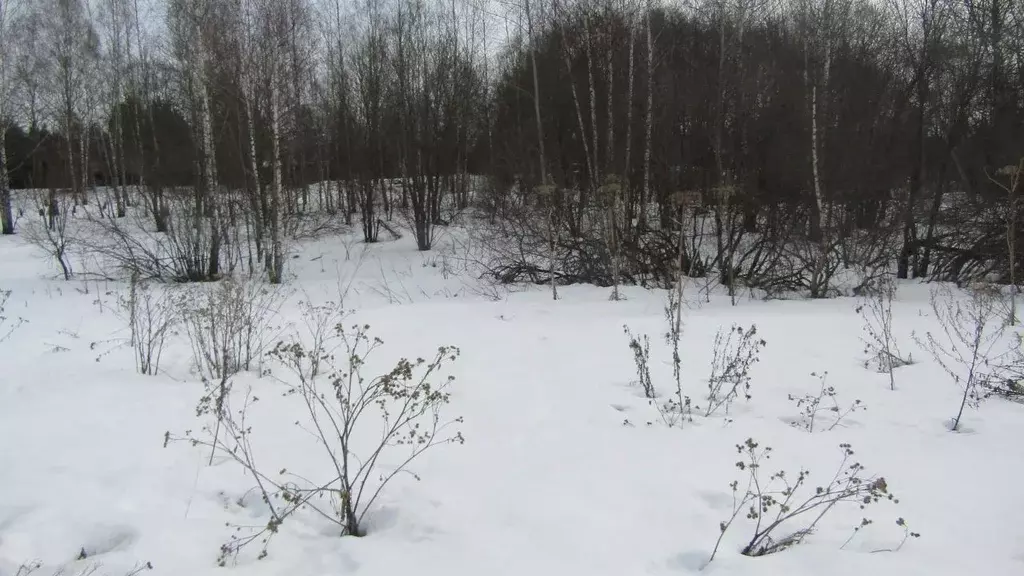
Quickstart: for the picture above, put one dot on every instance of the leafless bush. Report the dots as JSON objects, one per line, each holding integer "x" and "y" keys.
{"x": 152, "y": 315}
{"x": 326, "y": 376}
{"x": 229, "y": 324}
{"x": 680, "y": 404}
{"x": 870, "y": 253}
{"x": 7, "y": 325}
{"x": 824, "y": 403}
{"x": 678, "y": 407}
{"x": 735, "y": 352}
{"x": 53, "y": 232}
{"x": 641, "y": 348}
{"x": 533, "y": 243}
{"x": 880, "y": 345}
{"x": 968, "y": 346}
{"x": 1008, "y": 381}
{"x": 814, "y": 264}
{"x": 181, "y": 254}
{"x": 785, "y": 511}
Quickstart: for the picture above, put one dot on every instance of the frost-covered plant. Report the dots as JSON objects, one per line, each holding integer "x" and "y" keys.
{"x": 399, "y": 410}
{"x": 641, "y": 348}
{"x": 968, "y": 346}
{"x": 7, "y": 325}
{"x": 824, "y": 403}
{"x": 678, "y": 407}
{"x": 152, "y": 315}
{"x": 784, "y": 509}
{"x": 736, "y": 351}
{"x": 880, "y": 345}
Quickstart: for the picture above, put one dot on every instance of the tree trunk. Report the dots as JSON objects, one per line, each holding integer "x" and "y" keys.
{"x": 626, "y": 168}
{"x": 536, "y": 100}
{"x": 256, "y": 191}
{"x": 648, "y": 124}
{"x": 276, "y": 254}
{"x": 593, "y": 104}
{"x": 6, "y": 213}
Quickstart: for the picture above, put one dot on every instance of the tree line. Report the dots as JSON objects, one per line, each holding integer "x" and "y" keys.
{"x": 765, "y": 143}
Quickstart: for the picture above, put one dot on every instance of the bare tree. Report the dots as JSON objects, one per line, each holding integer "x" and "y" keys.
{"x": 116, "y": 15}
{"x": 54, "y": 232}
{"x": 6, "y": 211}
{"x": 71, "y": 45}
{"x": 968, "y": 346}
{"x": 274, "y": 24}
{"x": 190, "y": 21}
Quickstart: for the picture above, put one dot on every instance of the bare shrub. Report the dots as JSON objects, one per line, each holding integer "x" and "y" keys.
{"x": 229, "y": 324}
{"x": 870, "y": 253}
{"x": 680, "y": 403}
{"x": 1009, "y": 380}
{"x": 819, "y": 262}
{"x": 399, "y": 410}
{"x": 784, "y": 510}
{"x": 967, "y": 347}
{"x": 736, "y": 351}
{"x": 182, "y": 253}
{"x": 7, "y": 325}
{"x": 880, "y": 345}
{"x": 152, "y": 316}
{"x": 678, "y": 407}
{"x": 823, "y": 404}
{"x": 53, "y": 232}
{"x": 641, "y": 348}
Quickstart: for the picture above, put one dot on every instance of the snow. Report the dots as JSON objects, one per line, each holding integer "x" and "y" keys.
{"x": 566, "y": 470}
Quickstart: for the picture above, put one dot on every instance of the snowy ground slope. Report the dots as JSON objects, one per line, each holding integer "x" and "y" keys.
{"x": 560, "y": 473}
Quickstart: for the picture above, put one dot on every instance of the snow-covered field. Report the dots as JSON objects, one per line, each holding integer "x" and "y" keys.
{"x": 566, "y": 469}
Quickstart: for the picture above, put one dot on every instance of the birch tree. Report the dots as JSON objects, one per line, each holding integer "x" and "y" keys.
{"x": 70, "y": 44}
{"x": 6, "y": 211}
{"x": 116, "y": 15}
{"x": 189, "y": 21}
{"x": 274, "y": 23}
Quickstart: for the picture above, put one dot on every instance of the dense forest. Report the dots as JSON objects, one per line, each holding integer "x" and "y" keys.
{"x": 768, "y": 144}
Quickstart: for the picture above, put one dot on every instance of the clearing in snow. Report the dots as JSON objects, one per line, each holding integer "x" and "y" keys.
{"x": 566, "y": 468}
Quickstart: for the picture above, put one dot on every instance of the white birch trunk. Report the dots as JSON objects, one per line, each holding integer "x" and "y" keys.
{"x": 209, "y": 158}
{"x": 6, "y": 213}
{"x": 614, "y": 189}
{"x": 83, "y": 148}
{"x": 593, "y": 102}
{"x": 536, "y": 96}
{"x": 629, "y": 107}
{"x": 255, "y": 169}
{"x": 818, "y": 199}
{"x": 648, "y": 122}
{"x": 609, "y": 72}
{"x": 579, "y": 113}
{"x": 276, "y": 251}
